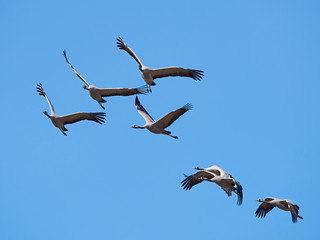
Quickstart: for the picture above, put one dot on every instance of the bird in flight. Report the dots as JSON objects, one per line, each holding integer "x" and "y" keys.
{"x": 270, "y": 202}
{"x": 159, "y": 126}
{"x": 217, "y": 175}
{"x": 98, "y": 93}
{"x": 149, "y": 74}
{"x": 60, "y": 121}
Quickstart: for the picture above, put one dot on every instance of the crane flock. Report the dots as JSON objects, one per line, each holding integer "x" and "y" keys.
{"x": 213, "y": 174}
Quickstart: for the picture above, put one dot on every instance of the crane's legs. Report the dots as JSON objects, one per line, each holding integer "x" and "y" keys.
{"x": 63, "y": 132}
{"x": 102, "y": 106}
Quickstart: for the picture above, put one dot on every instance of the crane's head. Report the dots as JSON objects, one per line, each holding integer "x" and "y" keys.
{"x": 136, "y": 126}
{"x": 198, "y": 168}
{"x": 85, "y": 87}
{"x": 259, "y": 200}
{"x": 46, "y": 113}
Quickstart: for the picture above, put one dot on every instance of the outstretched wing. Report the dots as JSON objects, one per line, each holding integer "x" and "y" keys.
{"x": 65, "y": 56}
{"x": 142, "y": 111}
{"x": 76, "y": 117}
{"x": 122, "y": 45}
{"x": 263, "y": 209}
{"x": 168, "y": 119}
{"x": 195, "y": 178}
{"x": 177, "y": 72}
{"x": 42, "y": 93}
{"x": 107, "y": 92}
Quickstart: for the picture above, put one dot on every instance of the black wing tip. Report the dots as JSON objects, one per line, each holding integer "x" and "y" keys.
{"x": 186, "y": 183}
{"x": 143, "y": 89}
{"x": 240, "y": 200}
{"x": 120, "y": 43}
{"x": 260, "y": 213}
{"x": 137, "y": 102}
{"x": 188, "y": 106}
{"x": 100, "y": 113}
{"x": 65, "y": 55}
{"x": 239, "y": 192}
{"x": 100, "y": 117}
{"x": 40, "y": 89}
{"x": 294, "y": 219}
{"x": 197, "y": 74}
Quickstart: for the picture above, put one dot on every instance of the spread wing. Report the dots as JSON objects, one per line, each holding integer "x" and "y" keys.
{"x": 122, "y": 45}
{"x": 168, "y": 119}
{"x": 76, "y": 117}
{"x": 107, "y": 92}
{"x": 142, "y": 111}
{"x": 42, "y": 93}
{"x": 177, "y": 72}
{"x": 65, "y": 56}
{"x": 263, "y": 209}
{"x": 194, "y": 179}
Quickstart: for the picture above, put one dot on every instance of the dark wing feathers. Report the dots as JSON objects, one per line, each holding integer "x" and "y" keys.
{"x": 76, "y": 117}
{"x": 239, "y": 192}
{"x": 120, "y": 43}
{"x": 40, "y": 90}
{"x": 194, "y": 179}
{"x": 169, "y": 118}
{"x": 294, "y": 209}
{"x": 190, "y": 181}
{"x": 177, "y": 72}
{"x": 263, "y": 209}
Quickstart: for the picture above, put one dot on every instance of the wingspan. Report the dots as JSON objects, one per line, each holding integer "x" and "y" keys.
{"x": 168, "y": 119}
{"x": 142, "y": 111}
{"x": 76, "y": 117}
{"x": 65, "y": 56}
{"x": 122, "y": 45}
{"x": 177, "y": 72}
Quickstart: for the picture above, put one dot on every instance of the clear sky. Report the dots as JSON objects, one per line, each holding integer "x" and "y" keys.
{"x": 256, "y": 114}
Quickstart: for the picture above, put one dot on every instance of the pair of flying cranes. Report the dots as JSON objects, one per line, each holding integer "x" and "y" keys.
{"x": 212, "y": 174}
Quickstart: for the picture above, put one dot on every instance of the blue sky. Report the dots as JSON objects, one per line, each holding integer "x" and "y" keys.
{"x": 256, "y": 115}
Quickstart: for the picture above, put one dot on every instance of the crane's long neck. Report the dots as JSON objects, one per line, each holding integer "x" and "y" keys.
{"x": 199, "y": 168}
{"x": 138, "y": 127}
{"x": 45, "y": 112}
